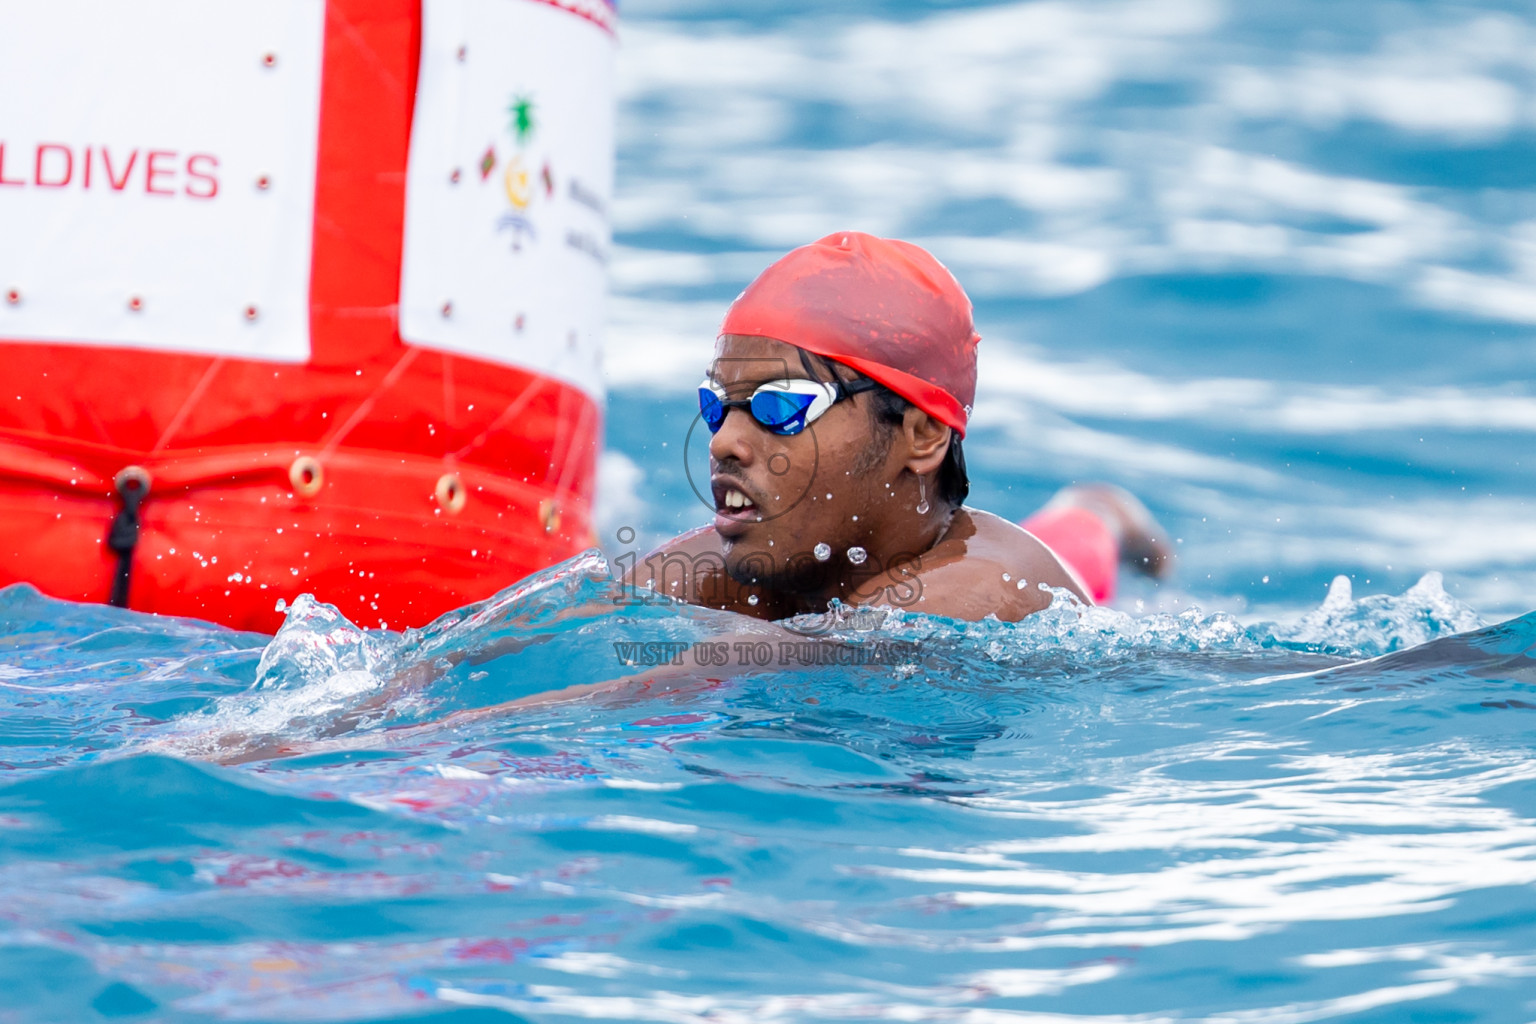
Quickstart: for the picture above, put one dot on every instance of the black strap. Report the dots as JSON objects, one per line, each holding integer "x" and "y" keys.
{"x": 123, "y": 536}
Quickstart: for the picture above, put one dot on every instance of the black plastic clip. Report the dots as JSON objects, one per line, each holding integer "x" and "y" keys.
{"x": 123, "y": 537}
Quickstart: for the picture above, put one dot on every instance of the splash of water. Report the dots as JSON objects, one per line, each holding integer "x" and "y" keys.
{"x": 1378, "y": 624}
{"x": 323, "y": 676}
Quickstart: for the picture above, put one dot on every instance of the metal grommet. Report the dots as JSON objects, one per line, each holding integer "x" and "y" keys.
{"x": 307, "y": 476}
{"x": 450, "y": 493}
{"x": 132, "y": 479}
{"x": 549, "y": 515}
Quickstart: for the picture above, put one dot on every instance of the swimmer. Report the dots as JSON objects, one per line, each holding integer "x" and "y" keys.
{"x": 840, "y": 390}
{"x": 839, "y": 393}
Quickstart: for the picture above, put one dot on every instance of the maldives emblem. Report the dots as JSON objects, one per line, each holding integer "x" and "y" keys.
{"x": 518, "y": 180}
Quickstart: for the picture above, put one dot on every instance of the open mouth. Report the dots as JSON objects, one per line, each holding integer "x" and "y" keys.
{"x": 731, "y": 501}
{"x": 734, "y": 507}
{"x": 734, "y": 502}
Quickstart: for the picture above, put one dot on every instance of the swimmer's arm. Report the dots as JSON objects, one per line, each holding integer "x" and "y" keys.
{"x": 418, "y": 676}
{"x": 238, "y": 748}
{"x": 649, "y": 684}
{"x": 659, "y": 681}
{"x": 421, "y": 674}
{"x": 680, "y": 676}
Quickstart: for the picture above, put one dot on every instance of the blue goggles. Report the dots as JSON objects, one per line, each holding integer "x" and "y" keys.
{"x": 783, "y": 407}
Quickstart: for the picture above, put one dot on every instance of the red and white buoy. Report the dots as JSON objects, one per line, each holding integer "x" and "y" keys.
{"x": 301, "y": 295}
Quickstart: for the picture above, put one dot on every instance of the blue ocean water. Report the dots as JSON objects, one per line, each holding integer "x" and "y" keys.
{"x": 1270, "y": 265}
{"x": 1273, "y": 267}
{"x": 1088, "y": 816}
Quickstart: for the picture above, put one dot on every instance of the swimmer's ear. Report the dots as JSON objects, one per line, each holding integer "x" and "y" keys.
{"x": 927, "y": 441}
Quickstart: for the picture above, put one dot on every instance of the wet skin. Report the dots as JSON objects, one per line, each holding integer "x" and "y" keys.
{"x": 843, "y": 483}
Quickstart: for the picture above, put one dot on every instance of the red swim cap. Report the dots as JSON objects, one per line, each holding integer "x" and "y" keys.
{"x": 885, "y": 308}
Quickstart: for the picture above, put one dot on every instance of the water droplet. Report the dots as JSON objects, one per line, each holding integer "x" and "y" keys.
{"x": 857, "y": 555}
{"x": 1007, "y": 578}
{"x": 822, "y": 551}
{"x": 1021, "y": 584}
{"x": 752, "y": 599}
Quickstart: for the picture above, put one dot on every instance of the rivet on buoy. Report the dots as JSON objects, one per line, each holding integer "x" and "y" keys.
{"x": 269, "y": 60}
{"x": 307, "y": 476}
{"x": 463, "y": 52}
{"x": 450, "y": 493}
{"x": 13, "y": 296}
{"x": 251, "y": 312}
{"x": 447, "y": 310}
{"x": 264, "y": 182}
{"x": 454, "y": 177}
{"x": 549, "y": 515}
{"x": 136, "y": 304}
{"x": 134, "y": 479}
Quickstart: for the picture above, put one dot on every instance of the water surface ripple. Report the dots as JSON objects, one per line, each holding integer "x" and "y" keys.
{"x": 1083, "y": 817}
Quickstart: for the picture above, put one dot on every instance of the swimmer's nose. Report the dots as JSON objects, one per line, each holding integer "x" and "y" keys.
{"x": 734, "y": 439}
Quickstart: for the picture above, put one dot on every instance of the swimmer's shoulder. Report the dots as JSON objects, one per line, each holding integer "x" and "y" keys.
{"x": 683, "y": 567}
{"x": 986, "y": 565}
{"x": 691, "y": 567}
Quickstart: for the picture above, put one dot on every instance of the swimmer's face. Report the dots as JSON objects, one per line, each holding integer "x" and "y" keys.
{"x": 777, "y": 497}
